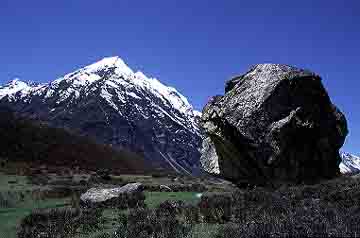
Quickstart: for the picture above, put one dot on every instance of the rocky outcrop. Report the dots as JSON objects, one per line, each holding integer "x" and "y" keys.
{"x": 275, "y": 123}
{"x": 128, "y": 196}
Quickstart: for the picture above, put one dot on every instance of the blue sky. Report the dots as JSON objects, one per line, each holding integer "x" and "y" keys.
{"x": 194, "y": 46}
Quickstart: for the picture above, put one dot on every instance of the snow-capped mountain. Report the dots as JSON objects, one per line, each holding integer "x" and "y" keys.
{"x": 110, "y": 102}
{"x": 350, "y": 163}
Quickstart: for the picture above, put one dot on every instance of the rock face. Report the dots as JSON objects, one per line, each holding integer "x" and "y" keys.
{"x": 115, "y": 105}
{"x": 126, "y": 196}
{"x": 275, "y": 123}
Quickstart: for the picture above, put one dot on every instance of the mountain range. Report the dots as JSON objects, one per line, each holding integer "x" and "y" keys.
{"x": 110, "y": 102}
{"x": 115, "y": 105}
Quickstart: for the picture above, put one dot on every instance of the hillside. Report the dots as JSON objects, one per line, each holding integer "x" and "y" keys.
{"x": 35, "y": 142}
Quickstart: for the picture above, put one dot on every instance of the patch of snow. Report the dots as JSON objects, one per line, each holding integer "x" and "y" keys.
{"x": 85, "y": 79}
{"x": 133, "y": 95}
{"x": 108, "y": 97}
{"x": 167, "y": 114}
{"x": 344, "y": 169}
{"x": 111, "y": 84}
{"x": 350, "y": 163}
{"x": 197, "y": 113}
{"x": 165, "y": 93}
{"x": 40, "y": 89}
{"x": 140, "y": 75}
{"x": 14, "y": 87}
{"x": 120, "y": 96}
{"x": 119, "y": 64}
{"x": 65, "y": 94}
{"x": 49, "y": 93}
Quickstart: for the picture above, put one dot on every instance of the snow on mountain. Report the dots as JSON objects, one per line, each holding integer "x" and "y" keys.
{"x": 15, "y": 87}
{"x": 197, "y": 113}
{"x": 119, "y": 64}
{"x": 124, "y": 76}
{"x": 350, "y": 163}
{"x": 111, "y": 102}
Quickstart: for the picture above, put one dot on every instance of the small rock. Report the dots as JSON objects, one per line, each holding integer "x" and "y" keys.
{"x": 164, "y": 188}
{"x": 126, "y": 196}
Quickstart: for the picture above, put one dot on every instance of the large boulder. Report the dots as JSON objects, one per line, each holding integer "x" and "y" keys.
{"x": 275, "y": 123}
{"x": 128, "y": 196}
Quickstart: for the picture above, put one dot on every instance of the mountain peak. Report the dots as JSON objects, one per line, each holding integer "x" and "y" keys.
{"x": 109, "y": 62}
{"x": 110, "y": 102}
{"x": 16, "y": 81}
{"x": 14, "y": 86}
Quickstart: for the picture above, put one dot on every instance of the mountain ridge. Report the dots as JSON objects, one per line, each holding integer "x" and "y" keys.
{"x": 350, "y": 163}
{"x": 110, "y": 102}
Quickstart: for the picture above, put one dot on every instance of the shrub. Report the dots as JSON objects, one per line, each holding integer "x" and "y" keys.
{"x": 91, "y": 220}
{"x": 60, "y": 223}
{"x": 216, "y": 208}
{"x": 166, "y": 221}
{"x": 328, "y": 209}
{"x": 49, "y": 223}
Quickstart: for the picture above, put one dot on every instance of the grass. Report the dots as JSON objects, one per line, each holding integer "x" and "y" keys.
{"x": 15, "y": 183}
{"x": 11, "y": 216}
{"x": 328, "y": 208}
{"x": 203, "y": 230}
{"x": 153, "y": 199}
{"x": 144, "y": 179}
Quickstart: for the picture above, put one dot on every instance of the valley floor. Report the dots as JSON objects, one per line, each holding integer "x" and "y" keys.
{"x": 195, "y": 208}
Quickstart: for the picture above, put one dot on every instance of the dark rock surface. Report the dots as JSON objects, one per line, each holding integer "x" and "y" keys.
{"x": 275, "y": 123}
